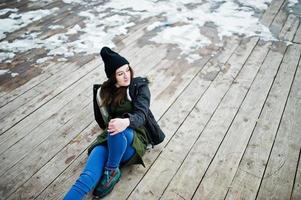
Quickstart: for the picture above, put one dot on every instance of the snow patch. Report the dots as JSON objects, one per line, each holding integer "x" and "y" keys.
{"x": 179, "y": 22}
{"x": 62, "y": 59}
{"x": 6, "y": 55}
{"x": 16, "y": 21}
{"x": 257, "y": 4}
{"x": 74, "y": 30}
{"x": 6, "y": 10}
{"x": 187, "y": 37}
{"x": 42, "y": 60}
{"x": 14, "y": 74}
{"x": 3, "y": 71}
{"x": 53, "y": 27}
{"x": 291, "y": 3}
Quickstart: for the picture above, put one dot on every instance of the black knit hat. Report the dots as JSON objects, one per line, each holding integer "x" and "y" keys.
{"x": 112, "y": 60}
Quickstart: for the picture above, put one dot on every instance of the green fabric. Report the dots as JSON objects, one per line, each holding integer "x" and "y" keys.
{"x": 140, "y": 139}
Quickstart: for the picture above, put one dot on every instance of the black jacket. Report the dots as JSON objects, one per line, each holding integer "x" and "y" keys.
{"x": 140, "y": 95}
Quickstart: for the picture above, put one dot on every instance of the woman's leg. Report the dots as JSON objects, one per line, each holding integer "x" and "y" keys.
{"x": 90, "y": 175}
{"x": 129, "y": 151}
{"x": 120, "y": 148}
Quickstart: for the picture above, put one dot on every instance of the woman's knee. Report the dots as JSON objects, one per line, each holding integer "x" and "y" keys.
{"x": 126, "y": 134}
{"x": 97, "y": 158}
{"x": 129, "y": 135}
{"x": 99, "y": 151}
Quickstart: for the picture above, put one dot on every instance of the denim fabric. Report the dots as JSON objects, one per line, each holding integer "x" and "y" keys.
{"x": 118, "y": 150}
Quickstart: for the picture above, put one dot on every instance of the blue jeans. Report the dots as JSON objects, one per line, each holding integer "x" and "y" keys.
{"x": 118, "y": 150}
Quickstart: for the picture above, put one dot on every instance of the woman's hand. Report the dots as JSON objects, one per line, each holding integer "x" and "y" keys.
{"x": 118, "y": 125}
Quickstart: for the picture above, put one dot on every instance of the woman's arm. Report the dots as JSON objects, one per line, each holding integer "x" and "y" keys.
{"x": 136, "y": 118}
{"x": 141, "y": 103}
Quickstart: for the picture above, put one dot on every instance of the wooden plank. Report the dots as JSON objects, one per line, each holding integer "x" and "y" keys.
{"x": 60, "y": 186}
{"x": 18, "y": 131}
{"x": 181, "y": 185}
{"x": 221, "y": 170}
{"x": 82, "y": 149}
{"x": 297, "y": 184}
{"x": 279, "y": 21}
{"x": 45, "y": 21}
{"x": 24, "y": 110}
{"x": 279, "y": 175}
{"x": 33, "y": 99}
{"x": 77, "y": 131}
{"x": 297, "y": 38}
{"x": 53, "y": 68}
{"x": 50, "y": 126}
{"x": 9, "y": 4}
{"x": 37, "y": 25}
{"x": 185, "y": 136}
{"x": 174, "y": 117}
{"x": 268, "y": 17}
{"x": 251, "y": 168}
{"x": 6, "y": 97}
{"x": 55, "y": 141}
{"x": 14, "y": 153}
{"x": 25, "y": 63}
{"x": 58, "y": 116}
{"x": 289, "y": 29}
{"x": 178, "y": 109}
{"x": 26, "y": 60}
{"x": 20, "y": 149}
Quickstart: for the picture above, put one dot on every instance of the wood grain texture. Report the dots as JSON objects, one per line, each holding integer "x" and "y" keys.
{"x": 289, "y": 29}
{"x": 268, "y": 16}
{"x": 183, "y": 185}
{"x": 297, "y": 185}
{"x": 252, "y": 166}
{"x": 279, "y": 175}
{"x": 297, "y": 37}
{"x": 221, "y": 171}
{"x": 230, "y": 117}
{"x": 176, "y": 150}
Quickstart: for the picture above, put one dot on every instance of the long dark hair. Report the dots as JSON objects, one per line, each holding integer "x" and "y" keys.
{"x": 112, "y": 95}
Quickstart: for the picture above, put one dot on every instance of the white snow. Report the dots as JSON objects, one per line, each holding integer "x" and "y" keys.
{"x": 6, "y": 55}
{"x": 62, "y": 59}
{"x": 187, "y": 37}
{"x": 74, "y": 30}
{"x": 258, "y": 4}
{"x": 16, "y": 21}
{"x": 3, "y": 71}
{"x": 53, "y": 27}
{"x": 6, "y": 10}
{"x": 41, "y": 60}
{"x": 179, "y": 22}
{"x": 291, "y": 3}
{"x": 14, "y": 74}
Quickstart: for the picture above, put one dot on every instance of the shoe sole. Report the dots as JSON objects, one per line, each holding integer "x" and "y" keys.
{"x": 109, "y": 190}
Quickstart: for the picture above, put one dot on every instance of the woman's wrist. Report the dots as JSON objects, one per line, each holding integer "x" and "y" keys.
{"x": 127, "y": 121}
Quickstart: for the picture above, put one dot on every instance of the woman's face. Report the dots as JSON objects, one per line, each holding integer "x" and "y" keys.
{"x": 123, "y": 76}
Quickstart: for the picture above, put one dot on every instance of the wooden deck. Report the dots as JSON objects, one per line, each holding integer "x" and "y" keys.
{"x": 232, "y": 120}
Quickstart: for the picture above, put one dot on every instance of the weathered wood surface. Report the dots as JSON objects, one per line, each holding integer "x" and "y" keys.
{"x": 211, "y": 135}
{"x": 278, "y": 179}
{"x": 297, "y": 37}
{"x": 297, "y": 184}
{"x": 251, "y": 168}
{"x": 231, "y": 118}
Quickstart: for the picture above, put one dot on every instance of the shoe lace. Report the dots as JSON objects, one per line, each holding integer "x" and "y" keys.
{"x": 107, "y": 175}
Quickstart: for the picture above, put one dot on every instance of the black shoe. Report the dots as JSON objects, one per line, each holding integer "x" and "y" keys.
{"x": 107, "y": 182}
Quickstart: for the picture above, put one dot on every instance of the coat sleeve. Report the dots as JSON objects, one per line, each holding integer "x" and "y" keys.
{"x": 141, "y": 104}
{"x": 97, "y": 113}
